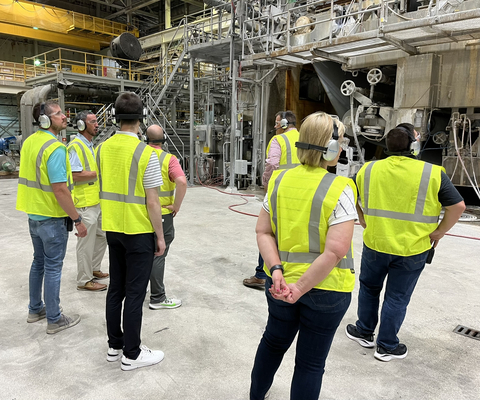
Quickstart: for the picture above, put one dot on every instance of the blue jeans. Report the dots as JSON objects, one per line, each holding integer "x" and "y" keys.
{"x": 259, "y": 272}
{"x": 315, "y": 316}
{"x": 49, "y": 238}
{"x": 403, "y": 274}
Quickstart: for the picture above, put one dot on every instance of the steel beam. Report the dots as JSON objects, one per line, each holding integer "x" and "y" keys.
{"x": 52, "y": 37}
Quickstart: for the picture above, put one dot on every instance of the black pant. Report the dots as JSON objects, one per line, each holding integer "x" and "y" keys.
{"x": 131, "y": 258}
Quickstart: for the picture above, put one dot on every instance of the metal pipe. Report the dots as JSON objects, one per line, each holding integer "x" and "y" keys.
{"x": 192, "y": 121}
{"x": 233, "y": 124}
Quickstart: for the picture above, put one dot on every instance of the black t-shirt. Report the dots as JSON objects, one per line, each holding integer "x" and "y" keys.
{"x": 448, "y": 195}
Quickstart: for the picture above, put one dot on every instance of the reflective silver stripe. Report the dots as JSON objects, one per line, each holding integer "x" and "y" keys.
{"x": 315, "y": 213}
{"x": 347, "y": 261}
{"x": 129, "y": 198}
{"x": 273, "y": 201}
{"x": 166, "y": 193}
{"x": 162, "y": 157}
{"x": 417, "y": 216}
{"x": 289, "y": 163}
{"x": 37, "y": 184}
{"x": 309, "y": 258}
{"x": 123, "y": 198}
{"x": 401, "y": 216}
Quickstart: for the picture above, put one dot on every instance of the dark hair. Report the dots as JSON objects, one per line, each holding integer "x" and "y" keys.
{"x": 398, "y": 140}
{"x": 47, "y": 108}
{"x": 288, "y": 115}
{"x": 129, "y": 103}
{"x": 409, "y": 127}
{"x": 82, "y": 115}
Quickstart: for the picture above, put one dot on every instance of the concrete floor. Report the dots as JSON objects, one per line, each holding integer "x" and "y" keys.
{"x": 210, "y": 341}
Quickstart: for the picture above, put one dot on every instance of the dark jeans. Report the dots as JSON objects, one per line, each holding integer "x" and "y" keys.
{"x": 157, "y": 285}
{"x": 131, "y": 258}
{"x": 315, "y": 316}
{"x": 403, "y": 274}
{"x": 259, "y": 272}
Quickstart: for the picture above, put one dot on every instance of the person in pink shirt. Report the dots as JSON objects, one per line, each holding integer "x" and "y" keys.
{"x": 171, "y": 196}
{"x": 281, "y": 153}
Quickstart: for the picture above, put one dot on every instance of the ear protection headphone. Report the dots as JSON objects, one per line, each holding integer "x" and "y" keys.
{"x": 284, "y": 122}
{"x": 43, "y": 119}
{"x": 142, "y": 117}
{"x": 329, "y": 152}
{"x": 81, "y": 125}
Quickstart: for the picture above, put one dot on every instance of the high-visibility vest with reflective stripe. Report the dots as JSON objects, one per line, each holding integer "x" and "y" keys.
{"x": 301, "y": 201}
{"x": 289, "y": 158}
{"x": 121, "y": 164}
{"x": 85, "y": 194}
{"x": 35, "y": 193}
{"x": 400, "y": 202}
{"x": 166, "y": 192}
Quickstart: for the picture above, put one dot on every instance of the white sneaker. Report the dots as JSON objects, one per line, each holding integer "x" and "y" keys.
{"x": 167, "y": 303}
{"x": 146, "y": 358}
{"x": 113, "y": 354}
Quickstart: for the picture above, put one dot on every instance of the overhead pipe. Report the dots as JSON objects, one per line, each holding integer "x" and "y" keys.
{"x": 29, "y": 99}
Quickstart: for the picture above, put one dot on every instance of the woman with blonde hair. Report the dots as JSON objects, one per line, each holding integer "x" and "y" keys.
{"x": 304, "y": 233}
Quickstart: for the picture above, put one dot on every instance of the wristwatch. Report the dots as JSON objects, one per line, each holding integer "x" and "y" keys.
{"x": 275, "y": 267}
{"x": 78, "y": 220}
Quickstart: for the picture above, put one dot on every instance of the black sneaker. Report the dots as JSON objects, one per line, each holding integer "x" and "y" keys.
{"x": 383, "y": 354}
{"x": 362, "y": 340}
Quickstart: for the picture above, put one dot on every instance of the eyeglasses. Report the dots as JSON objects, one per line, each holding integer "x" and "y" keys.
{"x": 57, "y": 114}
{"x": 93, "y": 121}
{"x": 343, "y": 142}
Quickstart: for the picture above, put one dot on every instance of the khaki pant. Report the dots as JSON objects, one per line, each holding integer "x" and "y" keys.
{"x": 91, "y": 248}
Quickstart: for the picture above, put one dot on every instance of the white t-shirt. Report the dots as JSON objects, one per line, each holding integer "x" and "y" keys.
{"x": 344, "y": 210}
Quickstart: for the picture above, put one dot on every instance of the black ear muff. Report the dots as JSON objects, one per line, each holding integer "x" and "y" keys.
{"x": 81, "y": 125}
{"x": 44, "y": 120}
{"x": 333, "y": 147}
{"x": 284, "y": 122}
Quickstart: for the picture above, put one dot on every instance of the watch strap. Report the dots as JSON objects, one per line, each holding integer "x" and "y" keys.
{"x": 275, "y": 267}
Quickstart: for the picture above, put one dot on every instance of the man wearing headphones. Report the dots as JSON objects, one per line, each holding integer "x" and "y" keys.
{"x": 130, "y": 178}
{"x": 281, "y": 154}
{"x": 171, "y": 195}
{"x": 398, "y": 237}
{"x": 44, "y": 185}
{"x": 91, "y": 248}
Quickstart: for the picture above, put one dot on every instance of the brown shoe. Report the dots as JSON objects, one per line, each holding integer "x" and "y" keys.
{"x": 254, "y": 282}
{"x": 100, "y": 274}
{"x": 92, "y": 286}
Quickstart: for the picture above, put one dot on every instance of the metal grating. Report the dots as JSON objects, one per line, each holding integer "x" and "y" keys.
{"x": 468, "y": 332}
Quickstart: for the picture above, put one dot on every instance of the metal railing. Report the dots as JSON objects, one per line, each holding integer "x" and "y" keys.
{"x": 80, "y": 62}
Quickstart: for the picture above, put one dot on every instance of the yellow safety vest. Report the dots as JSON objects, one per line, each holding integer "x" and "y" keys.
{"x": 289, "y": 158}
{"x": 35, "y": 193}
{"x": 301, "y": 201}
{"x": 121, "y": 164}
{"x": 166, "y": 192}
{"x": 85, "y": 194}
{"x": 400, "y": 201}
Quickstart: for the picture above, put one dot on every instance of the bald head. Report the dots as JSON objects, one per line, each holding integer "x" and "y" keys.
{"x": 155, "y": 133}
